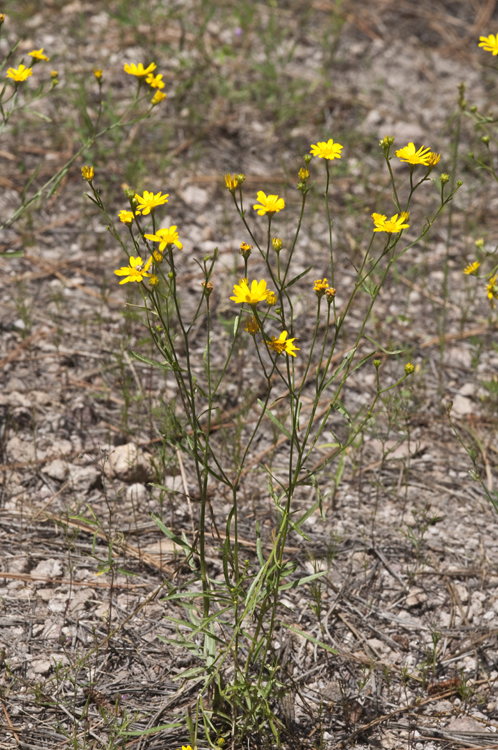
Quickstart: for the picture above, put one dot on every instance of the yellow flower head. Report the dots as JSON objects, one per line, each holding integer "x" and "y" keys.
{"x": 252, "y": 326}
{"x": 136, "y": 271}
{"x": 158, "y": 257}
{"x": 271, "y": 299}
{"x": 472, "y": 268}
{"x": 330, "y": 294}
{"x": 304, "y": 174}
{"x": 37, "y": 54}
{"x": 98, "y": 73}
{"x": 409, "y": 155}
{"x": 2, "y": 17}
{"x": 231, "y": 183}
{"x": 270, "y": 204}
{"x": 327, "y": 150}
{"x": 54, "y": 73}
{"x": 392, "y": 225}
{"x": 153, "y": 280}
{"x": 87, "y": 173}
{"x": 187, "y": 747}
{"x": 148, "y": 202}
{"x": 489, "y": 43}
{"x": 155, "y": 82}
{"x": 320, "y": 287}
{"x": 157, "y": 98}
{"x": 492, "y": 290}
{"x": 126, "y": 217}
{"x": 138, "y": 70}
{"x": 257, "y": 293}
{"x": 19, "y": 74}
{"x": 245, "y": 250}
{"x": 432, "y": 160}
{"x": 165, "y": 237}
{"x": 282, "y": 345}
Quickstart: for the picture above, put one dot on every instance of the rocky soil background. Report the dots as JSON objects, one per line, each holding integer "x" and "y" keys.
{"x": 410, "y": 601}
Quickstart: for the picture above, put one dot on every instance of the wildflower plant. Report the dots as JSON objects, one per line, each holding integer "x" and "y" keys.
{"x": 24, "y": 86}
{"x": 228, "y": 622}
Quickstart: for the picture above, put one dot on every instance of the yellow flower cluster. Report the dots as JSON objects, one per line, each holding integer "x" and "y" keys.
{"x": 147, "y": 74}
{"x": 23, "y": 72}
{"x": 392, "y": 225}
{"x": 423, "y": 156}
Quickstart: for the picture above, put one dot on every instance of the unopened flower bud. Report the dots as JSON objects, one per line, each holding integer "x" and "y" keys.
{"x": 479, "y": 243}
{"x": 473, "y": 108}
{"x": 240, "y": 178}
{"x": 307, "y": 158}
{"x": 301, "y": 186}
{"x": 153, "y": 280}
{"x": 171, "y": 275}
{"x": 277, "y": 244}
{"x": 330, "y": 294}
{"x": 473, "y": 454}
{"x": 245, "y": 250}
{"x": 98, "y": 74}
{"x": 87, "y": 173}
{"x": 387, "y": 142}
{"x": 208, "y": 287}
{"x": 271, "y": 299}
{"x": 444, "y": 178}
{"x": 158, "y": 257}
{"x": 459, "y": 183}
{"x": 485, "y": 139}
{"x": 377, "y": 363}
{"x": 54, "y": 73}
{"x": 303, "y": 174}
{"x": 409, "y": 368}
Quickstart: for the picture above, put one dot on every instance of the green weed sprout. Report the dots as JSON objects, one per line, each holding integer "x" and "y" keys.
{"x": 17, "y": 96}
{"x": 228, "y": 623}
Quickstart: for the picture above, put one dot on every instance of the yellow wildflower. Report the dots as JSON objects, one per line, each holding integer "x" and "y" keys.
{"x": 20, "y": 74}
{"x": 138, "y": 70}
{"x": 38, "y": 55}
{"x": 326, "y": 150}
{"x": 157, "y": 98}
{"x": 257, "y": 293}
{"x": 148, "y": 202}
{"x": 126, "y": 217}
{"x": 489, "y": 43}
{"x": 320, "y": 287}
{"x": 252, "y": 325}
{"x": 98, "y": 73}
{"x": 87, "y": 173}
{"x": 409, "y": 368}
{"x": 158, "y": 257}
{"x": 231, "y": 183}
{"x": 54, "y": 73}
{"x": 330, "y": 294}
{"x": 136, "y": 271}
{"x": 153, "y": 280}
{"x": 472, "y": 268}
{"x": 271, "y": 299}
{"x": 492, "y": 290}
{"x": 282, "y": 344}
{"x": 432, "y": 160}
{"x": 392, "y": 225}
{"x": 165, "y": 237}
{"x": 2, "y": 17}
{"x": 270, "y": 204}
{"x": 304, "y": 174}
{"x": 155, "y": 82}
{"x": 409, "y": 155}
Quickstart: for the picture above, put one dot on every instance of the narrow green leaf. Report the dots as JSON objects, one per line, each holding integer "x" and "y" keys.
{"x": 275, "y": 420}
{"x": 301, "y": 581}
{"x": 176, "y": 539}
{"x": 296, "y": 278}
{"x": 155, "y": 363}
{"x": 381, "y": 348}
{"x": 310, "y": 638}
